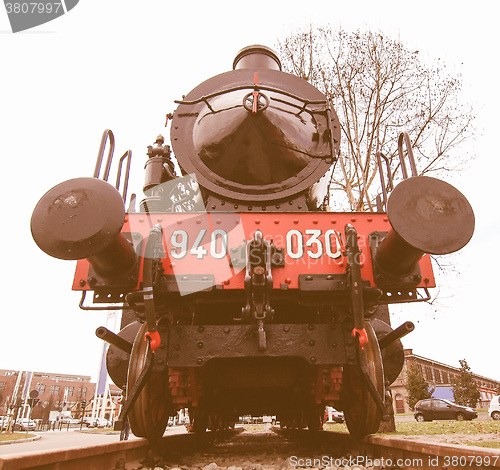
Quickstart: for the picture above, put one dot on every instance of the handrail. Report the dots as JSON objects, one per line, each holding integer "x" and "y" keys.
{"x": 404, "y": 136}
{"x": 382, "y": 178}
{"x": 128, "y": 156}
{"x": 107, "y": 133}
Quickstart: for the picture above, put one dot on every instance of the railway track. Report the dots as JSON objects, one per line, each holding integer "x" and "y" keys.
{"x": 270, "y": 449}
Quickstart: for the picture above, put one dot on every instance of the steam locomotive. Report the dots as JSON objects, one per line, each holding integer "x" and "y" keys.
{"x": 241, "y": 293}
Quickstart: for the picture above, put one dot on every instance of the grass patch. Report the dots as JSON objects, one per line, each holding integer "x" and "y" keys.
{"x": 336, "y": 427}
{"x": 447, "y": 427}
{"x": 14, "y": 436}
{"x": 488, "y": 444}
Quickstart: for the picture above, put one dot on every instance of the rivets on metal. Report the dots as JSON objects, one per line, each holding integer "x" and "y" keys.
{"x": 257, "y": 221}
{"x": 315, "y": 221}
{"x": 201, "y": 329}
{"x": 312, "y": 343}
{"x": 311, "y": 327}
{"x": 141, "y": 219}
{"x": 199, "y": 361}
{"x": 313, "y": 359}
{"x": 296, "y": 221}
{"x": 286, "y": 328}
{"x": 276, "y": 221}
{"x": 288, "y": 281}
{"x": 353, "y": 219}
{"x": 199, "y": 344}
{"x": 333, "y": 221}
{"x": 227, "y": 329}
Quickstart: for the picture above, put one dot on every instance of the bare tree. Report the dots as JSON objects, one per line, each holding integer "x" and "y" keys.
{"x": 379, "y": 89}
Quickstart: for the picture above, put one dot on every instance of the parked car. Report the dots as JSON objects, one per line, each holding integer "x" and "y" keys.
{"x": 333, "y": 416}
{"x": 70, "y": 421}
{"x": 100, "y": 423}
{"x": 24, "y": 424}
{"x": 437, "y": 408}
{"x": 494, "y": 409}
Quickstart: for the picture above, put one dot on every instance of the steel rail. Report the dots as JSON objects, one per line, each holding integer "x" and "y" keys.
{"x": 380, "y": 451}
{"x": 427, "y": 455}
{"x": 95, "y": 457}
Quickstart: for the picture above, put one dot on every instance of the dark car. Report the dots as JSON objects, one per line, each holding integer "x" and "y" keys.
{"x": 437, "y": 408}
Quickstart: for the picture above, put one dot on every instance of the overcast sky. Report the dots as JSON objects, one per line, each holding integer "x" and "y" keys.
{"x": 120, "y": 64}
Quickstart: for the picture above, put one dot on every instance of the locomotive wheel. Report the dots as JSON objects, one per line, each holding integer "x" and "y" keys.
{"x": 149, "y": 415}
{"x": 314, "y": 418}
{"x": 198, "y": 420}
{"x": 362, "y": 415}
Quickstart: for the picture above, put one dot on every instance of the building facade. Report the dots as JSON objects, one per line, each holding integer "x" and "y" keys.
{"x": 439, "y": 376}
{"x": 56, "y": 392}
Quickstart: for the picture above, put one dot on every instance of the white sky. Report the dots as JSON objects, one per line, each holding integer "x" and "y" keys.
{"x": 120, "y": 64}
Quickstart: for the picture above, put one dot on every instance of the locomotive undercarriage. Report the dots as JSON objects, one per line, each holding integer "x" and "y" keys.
{"x": 210, "y": 362}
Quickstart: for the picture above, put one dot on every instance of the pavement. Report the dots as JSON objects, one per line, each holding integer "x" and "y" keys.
{"x": 64, "y": 439}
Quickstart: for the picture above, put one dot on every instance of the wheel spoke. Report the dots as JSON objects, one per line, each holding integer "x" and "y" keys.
{"x": 362, "y": 414}
{"x": 149, "y": 415}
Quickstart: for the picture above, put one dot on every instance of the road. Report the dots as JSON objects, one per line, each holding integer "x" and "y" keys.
{"x": 481, "y": 416}
{"x": 54, "y": 440}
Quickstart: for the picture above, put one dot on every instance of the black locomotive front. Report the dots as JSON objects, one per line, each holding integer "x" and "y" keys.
{"x": 243, "y": 294}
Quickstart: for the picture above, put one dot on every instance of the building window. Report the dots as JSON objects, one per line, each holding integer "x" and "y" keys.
{"x": 446, "y": 378}
{"x": 54, "y": 389}
{"x": 437, "y": 376}
{"x": 84, "y": 391}
{"x": 40, "y": 388}
{"x": 69, "y": 391}
{"x": 3, "y": 385}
